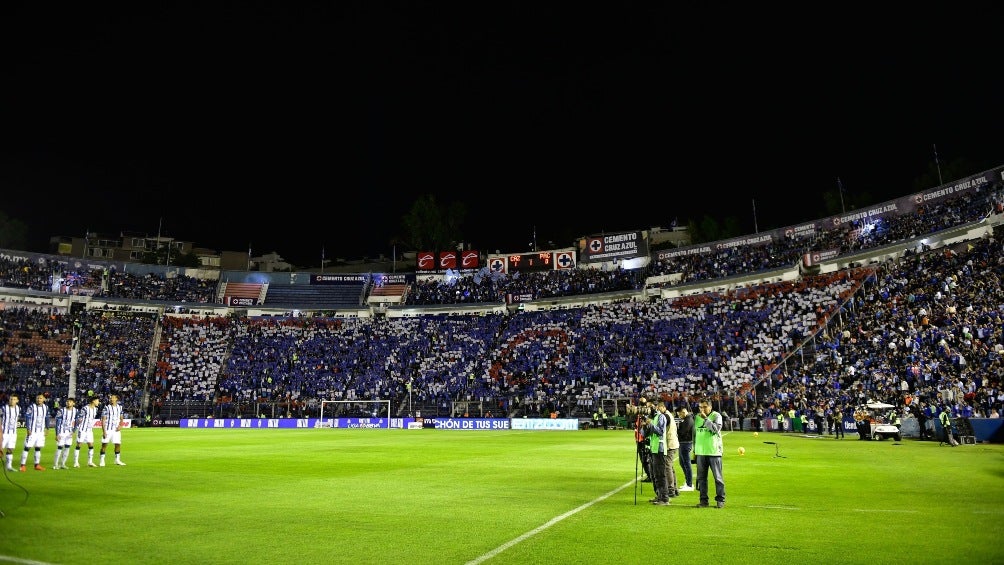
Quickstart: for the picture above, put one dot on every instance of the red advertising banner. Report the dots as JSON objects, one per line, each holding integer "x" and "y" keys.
{"x": 425, "y": 261}
{"x": 470, "y": 259}
{"x": 447, "y": 259}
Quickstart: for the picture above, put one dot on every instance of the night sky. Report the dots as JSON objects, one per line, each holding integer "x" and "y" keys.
{"x": 275, "y": 123}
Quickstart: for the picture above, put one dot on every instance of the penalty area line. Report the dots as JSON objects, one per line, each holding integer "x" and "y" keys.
{"x": 551, "y": 522}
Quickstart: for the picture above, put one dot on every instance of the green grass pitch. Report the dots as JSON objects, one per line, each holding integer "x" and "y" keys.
{"x": 304, "y": 496}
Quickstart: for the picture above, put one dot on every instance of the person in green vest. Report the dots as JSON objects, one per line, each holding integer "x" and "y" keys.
{"x": 803, "y": 422}
{"x": 791, "y": 419}
{"x": 946, "y": 427}
{"x": 709, "y": 449}
{"x": 654, "y": 432}
{"x": 893, "y": 418}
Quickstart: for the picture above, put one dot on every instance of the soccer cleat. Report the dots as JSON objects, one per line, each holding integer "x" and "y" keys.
{"x": 120, "y": 463}
{"x": 720, "y": 505}
{"x": 9, "y": 468}
{"x": 75, "y": 464}
{"x": 661, "y": 503}
{"x": 91, "y": 464}
{"x": 700, "y": 505}
{"x": 39, "y": 468}
{"x": 22, "y": 468}
{"x": 101, "y": 464}
{"x": 686, "y": 488}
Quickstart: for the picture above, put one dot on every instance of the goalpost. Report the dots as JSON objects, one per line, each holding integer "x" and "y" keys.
{"x": 471, "y": 408}
{"x": 354, "y": 409}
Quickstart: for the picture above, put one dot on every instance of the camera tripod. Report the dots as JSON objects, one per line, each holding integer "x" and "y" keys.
{"x": 777, "y": 449}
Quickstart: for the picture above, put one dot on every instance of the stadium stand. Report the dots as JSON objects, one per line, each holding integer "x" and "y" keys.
{"x": 906, "y": 309}
{"x": 303, "y": 296}
{"x": 251, "y": 291}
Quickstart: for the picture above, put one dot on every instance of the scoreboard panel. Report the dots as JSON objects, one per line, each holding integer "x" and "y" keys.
{"x": 530, "y": 262}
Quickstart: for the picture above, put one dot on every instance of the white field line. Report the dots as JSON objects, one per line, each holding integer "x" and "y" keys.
{"x": 551, "y": 522}
{"x": 775, "y": 507}
{"x": 19, "y": 561}
{"x": 885, "y": 510}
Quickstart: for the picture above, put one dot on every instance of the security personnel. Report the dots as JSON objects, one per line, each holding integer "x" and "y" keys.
{"x": 893, "y": 418}
{"x": 946, "y": 427}
{"x": 837, "y": 416}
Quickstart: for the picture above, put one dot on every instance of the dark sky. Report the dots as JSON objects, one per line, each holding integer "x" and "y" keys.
{"x": 285, "y": 122}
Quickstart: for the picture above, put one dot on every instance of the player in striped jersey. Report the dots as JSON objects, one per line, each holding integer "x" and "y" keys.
{"x": 36, "y": 424}
{"x": 85, "y": 431}
{"x": 8, "y": 429}
{"x": 111, "y": 429}
{"x": 66, "y": 421}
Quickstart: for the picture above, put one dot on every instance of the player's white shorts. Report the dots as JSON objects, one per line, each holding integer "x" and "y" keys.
{"x": 9, "y": 441}
{"x": 85, "y": 437}
{"x": 35, "y": 439}
{"x": 111, "y": 437}
{"x": 65, "y": 438}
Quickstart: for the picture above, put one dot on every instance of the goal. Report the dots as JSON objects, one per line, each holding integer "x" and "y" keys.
{"x": 355, "y": 409}
{"x": 470, "y": 408}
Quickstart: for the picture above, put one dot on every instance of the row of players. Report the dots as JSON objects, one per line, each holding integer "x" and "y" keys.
{"x": 70, "y": 421}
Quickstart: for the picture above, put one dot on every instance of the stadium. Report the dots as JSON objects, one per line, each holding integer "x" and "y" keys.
{"x": 483, "y": 412}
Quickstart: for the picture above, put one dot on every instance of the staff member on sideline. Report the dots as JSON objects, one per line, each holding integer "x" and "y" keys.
{"x": 685, "y": 431}
{"x": 946, "y": 427}
{"x": 672, "y": 448}
{"x": 654, "y": 431}
{"x": 709, "y": 448}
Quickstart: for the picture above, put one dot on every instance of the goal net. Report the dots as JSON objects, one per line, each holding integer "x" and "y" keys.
{"x": 355, "y": 409}
{"x": 467, "y": 409}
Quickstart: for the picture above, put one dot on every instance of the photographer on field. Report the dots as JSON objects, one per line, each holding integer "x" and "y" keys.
{"x": 655, "y": 430}
{"x": 642, "y": 412}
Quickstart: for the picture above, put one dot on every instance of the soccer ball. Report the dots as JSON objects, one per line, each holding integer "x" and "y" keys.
{"x": 742, "y": 451}
{"x": 756, "y": 434}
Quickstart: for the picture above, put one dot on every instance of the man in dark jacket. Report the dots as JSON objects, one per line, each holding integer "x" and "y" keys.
{"x": 685, "y": 431}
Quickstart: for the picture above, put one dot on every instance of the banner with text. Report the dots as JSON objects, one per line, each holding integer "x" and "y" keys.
{"x": 613, "y": 247}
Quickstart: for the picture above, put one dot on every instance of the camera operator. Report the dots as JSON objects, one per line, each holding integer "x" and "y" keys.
{"x": 642, "y": 412}
{"x": 654, "y": 430}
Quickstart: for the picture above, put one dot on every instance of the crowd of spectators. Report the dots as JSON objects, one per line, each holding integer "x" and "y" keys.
{"x": 920, "y": 332}
{"x": 851, "y": 237}
{"x": 54, "y": 275}
{"x": 711, "y": 345}
{"x": 928, "y": 333}
{"x": 35, "y": 344}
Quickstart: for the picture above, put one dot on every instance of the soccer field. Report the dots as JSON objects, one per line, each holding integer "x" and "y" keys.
{"x": 429, "y": 496}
